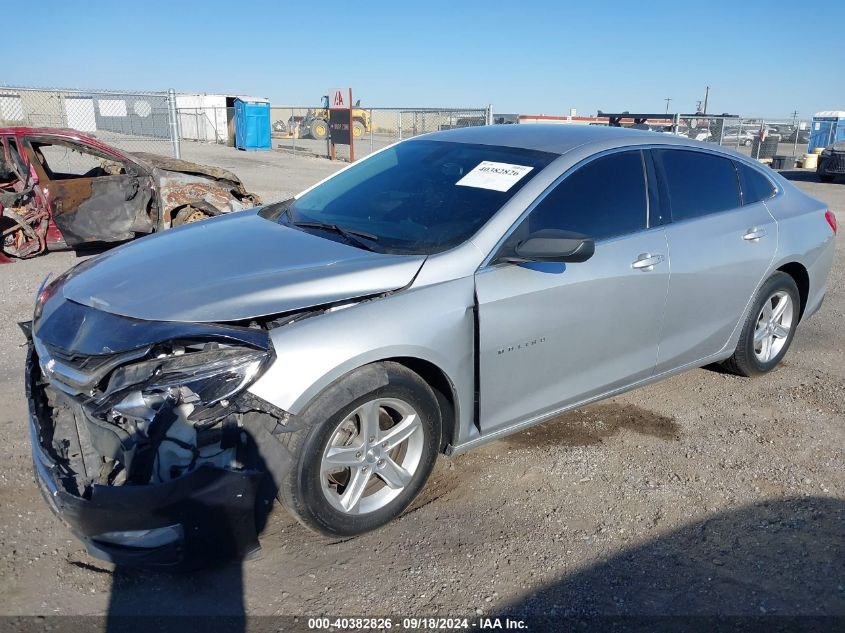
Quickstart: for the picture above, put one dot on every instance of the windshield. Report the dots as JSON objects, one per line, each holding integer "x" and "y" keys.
{"x": 419, "y": 197}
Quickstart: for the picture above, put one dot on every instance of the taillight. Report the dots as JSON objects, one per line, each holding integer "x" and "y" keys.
{"x": 831, "y": 219}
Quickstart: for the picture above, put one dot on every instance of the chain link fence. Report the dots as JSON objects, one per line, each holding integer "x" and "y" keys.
{"x": 131, "y": 121}
{"x": 782, "y": 141}
{"x": 304, "y": 130}
{"x": 208, "y": 124}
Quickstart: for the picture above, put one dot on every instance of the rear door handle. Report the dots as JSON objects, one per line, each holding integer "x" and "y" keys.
{"x": 754, "y": 234}
{"x": 646, "y": 261}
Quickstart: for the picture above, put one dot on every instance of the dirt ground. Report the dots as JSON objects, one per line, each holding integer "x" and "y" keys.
{"x": 705, "y": 494}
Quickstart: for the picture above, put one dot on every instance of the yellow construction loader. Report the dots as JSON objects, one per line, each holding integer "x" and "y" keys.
{"x": 316, "y": 123}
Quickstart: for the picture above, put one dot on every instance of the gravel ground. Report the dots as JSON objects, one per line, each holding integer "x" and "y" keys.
{"x": 704, "y": 494}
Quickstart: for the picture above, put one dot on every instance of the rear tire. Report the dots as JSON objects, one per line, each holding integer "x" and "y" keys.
{"x": 350, "y": 475}
{"x": 769, "y": 328}
{"x": 358, "y": 129}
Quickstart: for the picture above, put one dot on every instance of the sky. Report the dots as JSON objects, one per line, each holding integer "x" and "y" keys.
{"x": 759, "y": 58}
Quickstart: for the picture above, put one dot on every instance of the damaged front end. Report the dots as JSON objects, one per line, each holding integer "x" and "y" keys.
{"x": 189, "y": 191}
{"x": 144, "y": 439}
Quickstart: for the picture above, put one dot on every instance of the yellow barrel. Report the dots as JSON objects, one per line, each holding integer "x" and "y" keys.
{"x": 811, "y": 161}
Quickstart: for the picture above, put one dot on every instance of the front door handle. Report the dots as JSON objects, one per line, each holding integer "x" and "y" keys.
{"x": 754, "y": 234}
{"x": 646, "y": 261}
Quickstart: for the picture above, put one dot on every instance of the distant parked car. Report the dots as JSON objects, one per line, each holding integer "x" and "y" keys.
{"x": 832, "y": 162}
{"x": 735, "y": 136}
{"x": 697, "y": 134}
{"x": 789, "y": 136}
{"x": 62, "y": 189}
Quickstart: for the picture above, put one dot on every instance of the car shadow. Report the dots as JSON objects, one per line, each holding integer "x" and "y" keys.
{"x": 213, "y": 594}
{"x": 206, "y": 592}
{"x": 772, "y": 566}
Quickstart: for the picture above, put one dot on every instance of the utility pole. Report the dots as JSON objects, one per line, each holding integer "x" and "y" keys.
{"x": 667, "y": 100}
{"x": 706, "y": 94}
{"x": 795, "y": 131}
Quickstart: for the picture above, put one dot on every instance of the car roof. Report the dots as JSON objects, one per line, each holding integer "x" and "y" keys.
{"x": 61, "y": 133}
{"x": 558, "y": 139}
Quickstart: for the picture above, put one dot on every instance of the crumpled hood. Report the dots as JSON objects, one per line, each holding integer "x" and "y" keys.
{"x": 233, "y": 267}
{"x": 185, "y": 167}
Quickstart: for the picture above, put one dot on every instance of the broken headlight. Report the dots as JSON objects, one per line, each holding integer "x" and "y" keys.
{"x": 202, "y": 375}
{"x": 208, "y": 376}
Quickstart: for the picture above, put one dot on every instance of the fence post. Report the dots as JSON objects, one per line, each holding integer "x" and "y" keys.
{"x": 489, "y": 114}
{"x": 63, "y": 110}
{"x": 294, "y": 125}
{"x": 400, "y": 125}
{"x": 372, "y": 126}
{"x": 173, "y": 117}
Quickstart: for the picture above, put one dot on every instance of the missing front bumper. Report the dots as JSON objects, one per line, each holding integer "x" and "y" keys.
{"x": 211, "y": 510}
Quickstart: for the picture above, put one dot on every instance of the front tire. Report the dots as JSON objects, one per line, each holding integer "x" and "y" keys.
{"x": 364, "y": 451}
{"x": 769, "y": 327}
{"x": 188, "y": 215}
{"x": 319, "y": 129}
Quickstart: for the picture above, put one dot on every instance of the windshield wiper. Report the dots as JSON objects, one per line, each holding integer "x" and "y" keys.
{"x": 351, "y": 235}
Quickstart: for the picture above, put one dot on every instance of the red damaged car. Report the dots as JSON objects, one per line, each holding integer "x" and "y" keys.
{"x": 61, "y": 189}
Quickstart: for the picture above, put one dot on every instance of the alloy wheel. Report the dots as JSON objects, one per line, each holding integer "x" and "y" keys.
{"x": 773, "y": 326}
{"x": 372, "y": 455}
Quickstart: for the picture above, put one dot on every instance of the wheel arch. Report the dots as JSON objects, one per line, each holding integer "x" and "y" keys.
{"x": 427, "y": 368}
{"x": 430, "y": 372}
{"x": 444, "y": 391}
{"x": 801, "y": 277}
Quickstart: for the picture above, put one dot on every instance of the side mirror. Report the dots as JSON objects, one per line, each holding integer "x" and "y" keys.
{"x": 552, "y": 245}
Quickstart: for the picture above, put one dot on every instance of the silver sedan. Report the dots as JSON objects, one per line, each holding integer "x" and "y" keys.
{"x": 444, "y": 292}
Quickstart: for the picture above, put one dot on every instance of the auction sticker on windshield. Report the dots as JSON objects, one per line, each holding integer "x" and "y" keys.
{"x": 496, "y": 176}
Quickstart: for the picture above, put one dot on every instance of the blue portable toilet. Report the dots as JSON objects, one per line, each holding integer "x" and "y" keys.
{"x": 827, "y": 128}
{"x": 252, "y": 123}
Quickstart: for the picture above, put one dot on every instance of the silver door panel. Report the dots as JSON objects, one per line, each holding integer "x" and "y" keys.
{"x": 718, "y": 261}
{"x": 550, "y": 334}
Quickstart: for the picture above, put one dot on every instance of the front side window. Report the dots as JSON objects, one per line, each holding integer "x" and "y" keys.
{"x": 62, "y": 160}
{"x": 755, "y": 186}
{"x": 604, "y": 198}
{"x": 418, "y": 197}
{"x": 696, "y": 183}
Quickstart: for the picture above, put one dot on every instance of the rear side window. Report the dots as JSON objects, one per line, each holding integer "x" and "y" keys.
{"x": 604, "y": 198}
{"x": 755, "y": 186}
{"x": 696, "y": 183}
